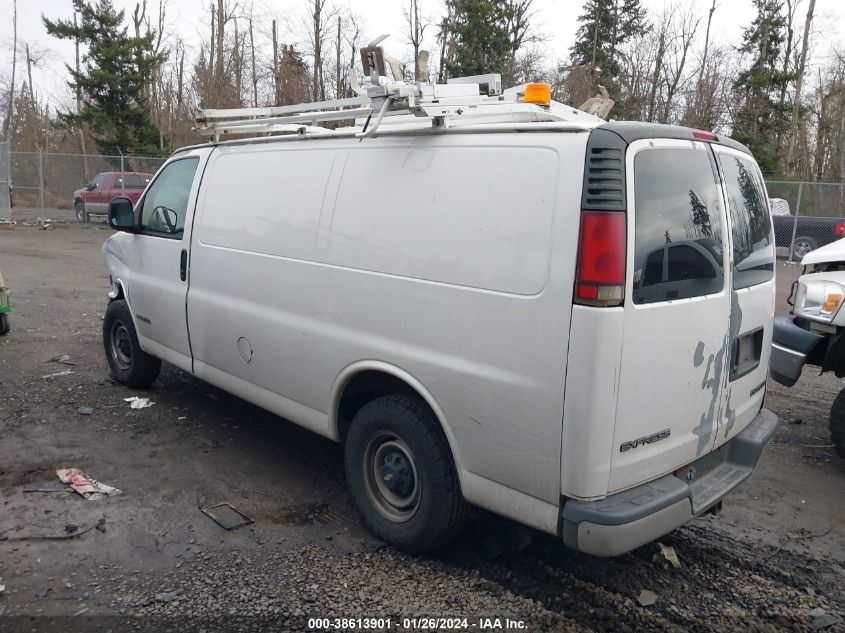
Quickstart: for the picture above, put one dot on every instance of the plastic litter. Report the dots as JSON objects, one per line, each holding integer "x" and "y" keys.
{"x": 138, "y": 403}
{"x": 86, "y": 485}
{"x": 58, "y": 373}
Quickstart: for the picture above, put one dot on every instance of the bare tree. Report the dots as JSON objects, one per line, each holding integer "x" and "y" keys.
{"x": 799, "y": 81}
{"x": 415, "y": 34}
{"x": 7, "y": 124}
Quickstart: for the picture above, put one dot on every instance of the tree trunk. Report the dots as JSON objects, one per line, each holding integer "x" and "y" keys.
{"x": 319, "y": 86}
{"x": 799, "y": 81}
{"x": 338, "y": 88}
{"x": 254, "y": 75}
{"x": 219, "y": 70}
{"x": 276, "y": 78}
{"x": 7, "y": 124}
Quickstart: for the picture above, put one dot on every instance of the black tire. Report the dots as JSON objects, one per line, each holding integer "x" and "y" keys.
{"x": 802, "y": 246}
{"x": 128, "y": 362}
{"x": 81, "y": 213}
{"x": 5, "y": 326}
{"x": 403, "y": 435}
{"x": 837, "y": 423}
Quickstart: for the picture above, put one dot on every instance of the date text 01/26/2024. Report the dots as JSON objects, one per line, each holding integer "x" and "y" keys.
{"x": 416, "y": 624}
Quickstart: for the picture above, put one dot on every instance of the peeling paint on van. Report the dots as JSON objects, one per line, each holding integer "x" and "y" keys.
{"x": 735, "y": 327}
{"x": 698, "y": 358}
{"x": 704, "y": 430}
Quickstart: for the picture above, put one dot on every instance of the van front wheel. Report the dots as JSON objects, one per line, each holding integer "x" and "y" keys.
{"x": 128, "y": 362}
{"x": 401, "y": 474}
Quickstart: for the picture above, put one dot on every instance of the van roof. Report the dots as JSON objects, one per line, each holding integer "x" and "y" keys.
{"x": 627, "y": 131}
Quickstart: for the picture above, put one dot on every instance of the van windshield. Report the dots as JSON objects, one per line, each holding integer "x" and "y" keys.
{"x": 753, "y": 241}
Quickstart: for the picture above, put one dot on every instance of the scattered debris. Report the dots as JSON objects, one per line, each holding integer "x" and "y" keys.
{"x": 85, "y": 411}
{"x": 63, "y": 489}
{"x": 168, "y": 596}
{"x": 666, "y": 557}
{"x": 647, "y": 598}
{"x": 57, "y": 374}
{"x": 50, "y": 537}
{"x": 43, "y": 591}
{"x": 226, "y": 516}
{"x": 138, "y": 403}
{"x": 70, "y": 528}
{"x": 61, "y": 358}
{"x": 2, "y": 589}
{"x": 822, "y": 619}
{"x": 85, "y": 485}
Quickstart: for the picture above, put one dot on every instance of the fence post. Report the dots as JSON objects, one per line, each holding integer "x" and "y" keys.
{"x": 122, "y": 170}
{"x": 40, "y": 178}
{"x": 795, "y": 223}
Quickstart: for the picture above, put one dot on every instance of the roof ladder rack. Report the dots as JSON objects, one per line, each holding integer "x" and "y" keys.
{"x": 461, "y": 101}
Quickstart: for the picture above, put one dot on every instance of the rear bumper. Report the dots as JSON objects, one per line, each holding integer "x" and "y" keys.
{"x": 791, "y": 345}
{"x": 626, "y": 520}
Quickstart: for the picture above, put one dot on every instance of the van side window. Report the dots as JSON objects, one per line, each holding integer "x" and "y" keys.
{"x": 751, "y": 222}
{"x": 678, "y": 249}
{"x": 166, "y": 201}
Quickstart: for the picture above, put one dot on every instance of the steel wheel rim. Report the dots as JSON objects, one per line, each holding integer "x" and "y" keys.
{"x": 79, "y": 209}
{"x": 802, "y": 247}
{"x": 391, "y": 478}
{"x": 121, "y": 346}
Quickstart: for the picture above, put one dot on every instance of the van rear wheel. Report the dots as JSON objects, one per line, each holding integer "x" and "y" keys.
{"x": 129, "y": 364}
{"x": 401, "y": 474}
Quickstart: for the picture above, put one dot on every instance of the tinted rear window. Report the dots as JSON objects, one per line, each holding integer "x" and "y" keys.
{"x": 751, "y": 222}
{"x": 678, "y": 250}
{"x": 135, "y": 182}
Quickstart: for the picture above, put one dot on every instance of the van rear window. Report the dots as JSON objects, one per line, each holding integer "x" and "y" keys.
{"x": 678, "y": 250}
{"x": 751, "y": 222}
{"x": 134, "y": 182}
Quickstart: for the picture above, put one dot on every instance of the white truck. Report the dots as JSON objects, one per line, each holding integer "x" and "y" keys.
{"x": 814, "y": 332}
{"x": 489, "y": 298}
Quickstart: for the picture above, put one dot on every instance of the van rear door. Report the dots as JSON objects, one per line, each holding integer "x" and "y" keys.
{"x": 676, "y": 339}
{"x": 753, "y": 289}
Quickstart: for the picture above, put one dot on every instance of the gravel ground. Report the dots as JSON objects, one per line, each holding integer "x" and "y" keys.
{"x": 773, "y": 560}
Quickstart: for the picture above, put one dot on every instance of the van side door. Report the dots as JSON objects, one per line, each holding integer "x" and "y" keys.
{"x": 158, "y": 283}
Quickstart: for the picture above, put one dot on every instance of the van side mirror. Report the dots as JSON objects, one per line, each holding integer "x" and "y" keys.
{"x": 122, "y": 215}
{"x": 91, "y": 186}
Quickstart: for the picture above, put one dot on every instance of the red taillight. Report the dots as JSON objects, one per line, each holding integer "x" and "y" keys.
{"x": 701, "y": 135}
{"x": 839, "y": 229}
{"x": 600, "y": 271}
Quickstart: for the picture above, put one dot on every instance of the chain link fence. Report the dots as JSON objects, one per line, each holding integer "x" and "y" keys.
{"x": 806, "y": 215}
{"x": 5, "y": 182}
{"x": 46, "y": 180}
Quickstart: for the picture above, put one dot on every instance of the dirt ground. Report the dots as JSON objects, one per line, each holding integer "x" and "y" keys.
{"x": 773, "y": 560}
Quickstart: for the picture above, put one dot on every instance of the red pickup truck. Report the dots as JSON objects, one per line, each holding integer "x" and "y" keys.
{"x": 95, "y": 197}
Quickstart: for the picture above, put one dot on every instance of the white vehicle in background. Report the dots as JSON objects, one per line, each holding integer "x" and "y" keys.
{"x": 814, "y": 332}
{"x": 490, "y": 299}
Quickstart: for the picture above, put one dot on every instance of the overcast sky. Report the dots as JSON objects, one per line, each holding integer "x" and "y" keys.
{"x": 557, "y": 19}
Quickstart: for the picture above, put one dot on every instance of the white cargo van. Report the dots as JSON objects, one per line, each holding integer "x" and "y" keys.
{"x": 490, "y": 300}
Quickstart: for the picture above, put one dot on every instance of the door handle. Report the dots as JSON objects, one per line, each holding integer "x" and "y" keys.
{"x": 183, "y": 265}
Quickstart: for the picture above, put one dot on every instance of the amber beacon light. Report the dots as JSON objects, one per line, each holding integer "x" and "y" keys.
{"x": 538, "y": 93}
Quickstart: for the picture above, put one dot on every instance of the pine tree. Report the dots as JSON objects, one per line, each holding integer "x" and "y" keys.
{"x": 761, "y": 116}
{"x": 479, "y": 36}
{"x": 115, "y": 70}
{"x": 605, "y": 25}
